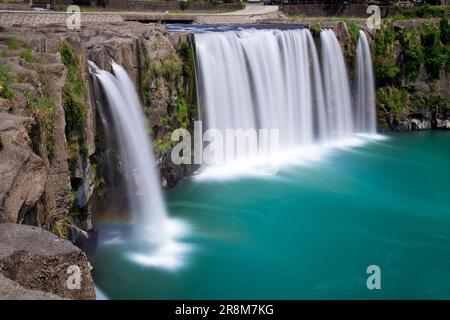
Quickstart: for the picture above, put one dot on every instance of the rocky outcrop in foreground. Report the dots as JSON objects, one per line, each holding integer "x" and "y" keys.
{"x": 10, "y": 290}
{"x": 39, "y": 265}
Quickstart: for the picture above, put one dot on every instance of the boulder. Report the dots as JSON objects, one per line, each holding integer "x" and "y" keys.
{"x": 38, "y": 260}
{"x": 10, "y": 290}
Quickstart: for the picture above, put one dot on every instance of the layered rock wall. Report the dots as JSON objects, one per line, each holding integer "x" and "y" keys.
{"x": 52, "y": 130}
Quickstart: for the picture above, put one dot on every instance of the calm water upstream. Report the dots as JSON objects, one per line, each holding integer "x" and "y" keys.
{"x": 308, "y": 232}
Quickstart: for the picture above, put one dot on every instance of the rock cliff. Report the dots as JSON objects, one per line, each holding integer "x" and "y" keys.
{"x": 52, "y": 131}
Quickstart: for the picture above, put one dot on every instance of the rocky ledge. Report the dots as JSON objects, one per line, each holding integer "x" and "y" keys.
{"x": 35, "y": 264}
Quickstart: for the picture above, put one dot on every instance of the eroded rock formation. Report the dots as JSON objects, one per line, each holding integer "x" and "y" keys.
{"x": 38, "y": 260}
{"x": 46, "y": 85}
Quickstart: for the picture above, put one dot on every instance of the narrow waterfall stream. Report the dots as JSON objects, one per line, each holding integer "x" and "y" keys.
{"x": 156, "y": 233}
{"x": 365, "y": 112}
{"x": 337, "y": 88}
{"x": 135, "y": 148}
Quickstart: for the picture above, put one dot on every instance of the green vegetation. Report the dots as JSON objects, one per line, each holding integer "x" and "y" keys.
{"x": 61, "y": 224}
{"x": 187, "y": 56}
{"x": 165, "y": 121}
{"x": 27, "y": 55}
{"x": 393, "y": 103}
{"x": 400, "y": 55}
{"x": 429, "y": 100}
{"x": 182, "y": 109}
{"x": 385, "y": 66}
{"x": 315, "y": 29}
{"x": 424, "y": 11}
{"x": 351, "y": 45}
{"x": 434, "y": 58}
{"x": 44, "y": 110}
{"x": 174, "y": 74}
{"x": 164, "y": 145}
{"x": 5, "y": 53}
{"x": 298, "y": 16}
{"x": 444, "y": 28}
{"x": 74, "y": 102}
{"x": 6, "y": 77}
{"x": 171, "y": 67}
{"x": 73, "y": 91}
{"x": 413, "y": 56}
{"x": 427, "y": 46}
{"x": 13, "y": 44}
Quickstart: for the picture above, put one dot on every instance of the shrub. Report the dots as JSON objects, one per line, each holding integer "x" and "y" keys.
{"x": 385, "y": 65}
{"x": 430, "y": 37}
{"x": 391, "y": 102}
{"x": 44, "y": 110}
{"x": 182, "y": 109}
{"x": 163, "y": 145}
{"x": 429, "y": 100}
{"x": 27, "y": 55}
{"x": 13, "y": 44}
{"x": 412, "y": 54}
{"x": 444, "y": 28}
{"x": 6, "y": 77}
{"x": 171, "y": 67}
{"x": 74, "y": 99}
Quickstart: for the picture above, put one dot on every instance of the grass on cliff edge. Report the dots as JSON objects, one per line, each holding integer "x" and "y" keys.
{"x": 74, "y": 102}
{"x": 44, "y": 110}
{"x": 6, "y": 77}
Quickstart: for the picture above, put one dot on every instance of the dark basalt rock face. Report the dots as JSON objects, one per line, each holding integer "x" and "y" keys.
{"x": 38, "y": 260}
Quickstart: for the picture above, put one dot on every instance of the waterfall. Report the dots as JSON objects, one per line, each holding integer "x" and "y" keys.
{"x": 262, "y": 79}
{"x": 143, "y": 183}
{"x": 365, "y": 112}
{"x": 157, "y": 234}
{"x": 337, "y": 89}
{"x": 273, "y": 79}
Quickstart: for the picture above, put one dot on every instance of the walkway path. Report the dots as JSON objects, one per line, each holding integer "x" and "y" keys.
{"x": 251, "y": 14}
{"x": 252, "y": 9}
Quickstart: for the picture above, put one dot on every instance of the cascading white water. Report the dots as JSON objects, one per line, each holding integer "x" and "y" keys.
{"x": 365, "y": 112}
{"x": 337, "y": 89}
{"x": 143, "y": 182}
{"x": 262, "y": 79}
{"x": 158, "y": 235}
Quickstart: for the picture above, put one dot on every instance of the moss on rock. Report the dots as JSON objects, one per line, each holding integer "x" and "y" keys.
{"x": 74, "y": 101}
